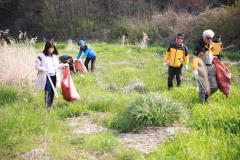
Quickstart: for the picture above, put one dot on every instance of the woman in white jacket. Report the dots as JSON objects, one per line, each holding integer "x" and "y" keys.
{"x": 47, "y": 63}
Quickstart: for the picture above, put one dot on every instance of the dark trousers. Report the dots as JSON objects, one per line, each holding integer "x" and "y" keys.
{"x": 49, "y": 93}
{"x": 172, "y": 71}
{"x": 93, "y": 59}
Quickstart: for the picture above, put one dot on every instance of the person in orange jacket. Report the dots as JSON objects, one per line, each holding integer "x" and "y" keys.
{"x": 217, "y": 47}
{"x": 176, "y": 56}
{"x": 203, "y": 68}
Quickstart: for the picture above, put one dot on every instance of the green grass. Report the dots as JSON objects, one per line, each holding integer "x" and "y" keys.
{"x": 198, "y": 145}
{"x": 7, "y": 95}
{"x": 213, "y": 128}
{"x": 235, "y": 56}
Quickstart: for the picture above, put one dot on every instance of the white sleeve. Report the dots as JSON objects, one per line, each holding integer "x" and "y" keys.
{"x": 38, "y": 65}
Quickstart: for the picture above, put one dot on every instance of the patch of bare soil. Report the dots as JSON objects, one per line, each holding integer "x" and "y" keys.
{"x": 144, "y": 140}
{"x": 148, "y": 138}
{"x": 35, "y": 154}
{"x": 84, "y": 125}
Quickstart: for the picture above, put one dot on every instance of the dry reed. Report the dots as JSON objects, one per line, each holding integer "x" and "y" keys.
{"x": 17, "y": 65}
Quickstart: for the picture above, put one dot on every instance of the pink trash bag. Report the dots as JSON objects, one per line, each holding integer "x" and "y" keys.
{"x": 69, "y": 91}
{"x": 79, "y": 66}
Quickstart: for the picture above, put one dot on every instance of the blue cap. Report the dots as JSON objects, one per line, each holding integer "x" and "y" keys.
{"x": 81, "y": 42}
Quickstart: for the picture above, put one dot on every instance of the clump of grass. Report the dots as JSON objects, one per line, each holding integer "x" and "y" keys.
{"x": 128, "y": 154}
{"x": 7, "y": 95}
{"x": 68, "y": 110}
{"x": 102, "y": 142}
{"x": 150, "y": 110}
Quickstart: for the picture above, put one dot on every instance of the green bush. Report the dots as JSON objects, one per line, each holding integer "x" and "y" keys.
{"x": 150, "y": 110}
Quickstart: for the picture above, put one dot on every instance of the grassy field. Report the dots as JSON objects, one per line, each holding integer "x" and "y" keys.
{"x": 213, "y": 128}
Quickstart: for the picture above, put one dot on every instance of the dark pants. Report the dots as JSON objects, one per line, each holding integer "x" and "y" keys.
{"x": 93, "y": 59}
{"x": 172, "y": 71}
{"x": 181, "y": 66}
{"x": 49, "y": 93}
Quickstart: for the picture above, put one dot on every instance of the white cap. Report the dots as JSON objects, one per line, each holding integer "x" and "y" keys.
{"x": 208, "y": 33}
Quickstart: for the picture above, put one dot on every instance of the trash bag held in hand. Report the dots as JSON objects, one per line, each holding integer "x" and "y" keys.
{"x": 223, "y": 76}
{"x": 79, "y": 66}
{"x": 69, "y": 91}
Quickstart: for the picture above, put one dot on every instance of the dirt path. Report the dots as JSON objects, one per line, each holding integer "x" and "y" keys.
{"x": 144, "y": 141}
{"x": 84, "y": 125}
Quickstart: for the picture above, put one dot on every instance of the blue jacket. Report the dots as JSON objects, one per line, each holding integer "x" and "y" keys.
{"x": 89, "y": 52}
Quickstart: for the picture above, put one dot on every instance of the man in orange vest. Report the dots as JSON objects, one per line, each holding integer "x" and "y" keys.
{"x": 176, "y": 56}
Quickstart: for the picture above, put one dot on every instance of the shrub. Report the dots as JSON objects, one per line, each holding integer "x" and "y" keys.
{"x": 150, "y": 110}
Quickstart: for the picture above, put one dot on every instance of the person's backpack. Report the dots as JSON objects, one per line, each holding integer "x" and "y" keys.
{"x": 223, "y": 76}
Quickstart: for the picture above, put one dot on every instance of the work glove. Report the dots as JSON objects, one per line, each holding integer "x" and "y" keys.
{"x": 165, "y": 65}
{"x": 195, "y": 73}
{"x": 186, "y": 67}
{"x": 41, "y": 69}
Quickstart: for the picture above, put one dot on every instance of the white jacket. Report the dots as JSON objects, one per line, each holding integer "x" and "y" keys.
{"x": 41, "y": 66}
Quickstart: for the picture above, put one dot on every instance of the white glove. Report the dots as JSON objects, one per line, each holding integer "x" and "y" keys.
{"x": 195, "y": 73}
{"x": 165, "y": 65}
{"x": 186, "y": 66}
{"x": 42, "y": 69}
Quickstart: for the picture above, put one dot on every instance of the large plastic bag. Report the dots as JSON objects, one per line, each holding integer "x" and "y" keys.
{"x": 79, "y": 66}
{"x": 223, "y": 76}
{"x": 69, "y": 91}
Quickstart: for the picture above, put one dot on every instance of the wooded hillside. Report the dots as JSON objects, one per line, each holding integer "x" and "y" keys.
{"x": 110, "y": 19}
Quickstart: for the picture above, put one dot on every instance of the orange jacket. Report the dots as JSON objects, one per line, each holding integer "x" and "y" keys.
{"x": 176, "y": 55}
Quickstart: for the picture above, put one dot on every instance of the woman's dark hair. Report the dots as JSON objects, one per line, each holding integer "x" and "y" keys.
{"x": 48, "y": 45}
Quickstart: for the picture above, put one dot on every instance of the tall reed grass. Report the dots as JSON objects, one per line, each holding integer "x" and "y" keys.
{"x": 17, "y": 65}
